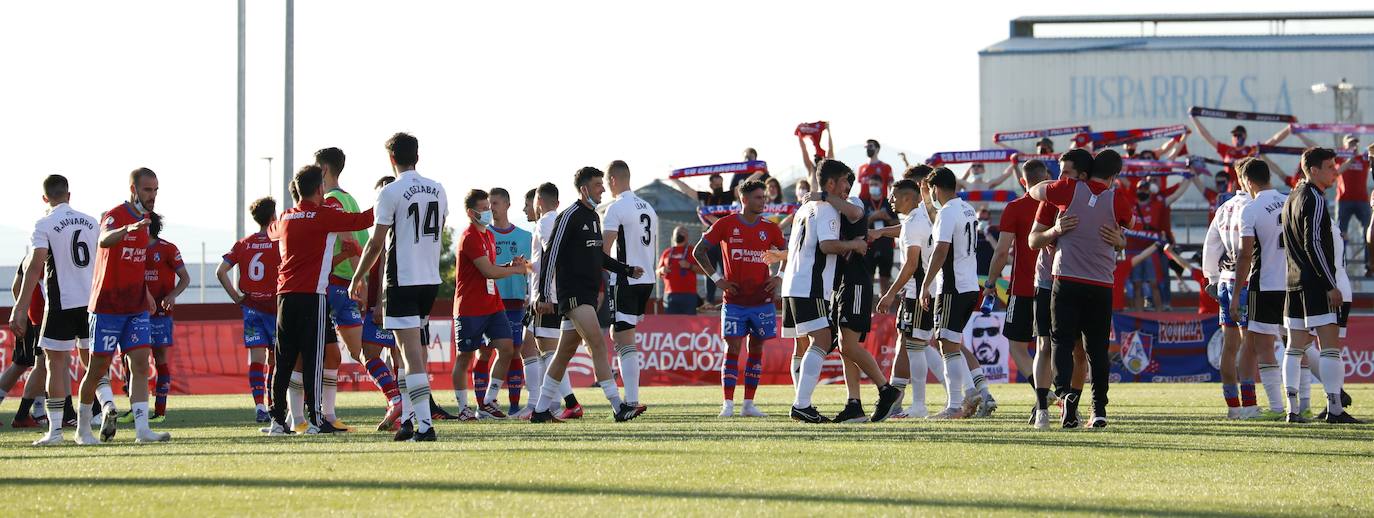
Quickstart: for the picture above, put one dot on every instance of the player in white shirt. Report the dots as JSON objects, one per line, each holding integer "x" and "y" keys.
{"x": 808, "y": 281}
{"x": 630, "y": 227}
{"x": 1261, "y": 272}
{"x": 912, "y": 337}
{"x": 953, "y": 275}
{"x": 62, "y": 242}
{"x": 1219, "y": 250}
{"x": 414, "y": 209}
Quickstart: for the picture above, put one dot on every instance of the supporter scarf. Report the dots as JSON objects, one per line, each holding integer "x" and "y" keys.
{"x": 750, "y": 167}
{"x": 813, "y": 130}
{"x": 1133, "y": 165}
{"x": 1362, "y": 129}
{"x": 1294, "y": 150}
{"x": 1151, "y": 174}
{"x": 1047, "y": 158}
{"x": 990, "y": 195}
{"x": 1033, "y": 134}
{"x": 1116, "y": 138}
{"x": 1198, "y": 111}
{"x": 772, "y": 209}
{"x": 964, "y": 157}
{"x": 1145, "y": 234}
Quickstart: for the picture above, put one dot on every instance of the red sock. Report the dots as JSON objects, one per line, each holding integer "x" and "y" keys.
{"x": 481, "y": 371}
{"x": 257, "y": 382}
{"x": 164, "y": 387}
{"x": 753, "y": 370}
{"x": 729, "y": 376}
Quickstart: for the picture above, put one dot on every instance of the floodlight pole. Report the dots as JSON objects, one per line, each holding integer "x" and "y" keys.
{"x": 288, "y": 123}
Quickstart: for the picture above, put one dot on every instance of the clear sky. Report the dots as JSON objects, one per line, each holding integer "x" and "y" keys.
{"x": 499, "y": 93}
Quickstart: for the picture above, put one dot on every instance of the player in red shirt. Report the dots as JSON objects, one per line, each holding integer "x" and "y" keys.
{"x": 678, "y": 270}
{"x": 304, "y": 235}
{"x": 166, "y": 278}
{"x": 1123, "y": 271}
{"x": 479, "y": 315}
{"x": 1014, "y": 238}
{"x": 749, "y": 285}
{"x": 257, "y": 259}
{"x": 119, "y": 309}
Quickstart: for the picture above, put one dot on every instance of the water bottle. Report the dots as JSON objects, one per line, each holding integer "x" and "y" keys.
{"x": 988, "y": 303}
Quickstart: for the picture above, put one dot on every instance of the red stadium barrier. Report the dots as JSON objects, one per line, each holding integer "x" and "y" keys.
{"x": 209, "y": 357}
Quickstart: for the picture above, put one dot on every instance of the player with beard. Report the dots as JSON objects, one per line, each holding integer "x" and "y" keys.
{"x": 749, "y": 285}
{"x": 1261, "y": 271}
{"x": 546, "y": 328}
{"x": 913, "y": 324}
{"x": 954, "y": 266}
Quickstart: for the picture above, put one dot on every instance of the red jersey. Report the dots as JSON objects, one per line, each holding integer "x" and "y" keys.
{"x": 35, "y": 313}
{"x": 304, "y": 233}
{"x": 1120, "y": 276}
{"x": 475, "y": 294}
{"x": 257, "y": 259}
{"x": 1353, "y": 183}
{"x": 1229, "y": 156}
{"x": 118, "y": 287}
{"x": 879, "y": 169}
{"x": 741, "y": 249}
{"x": 677, "y": 279}
{"x": 1149, "y": 217}
{"x": 1018, "y": 218}
{"x": 164, "y": 261}
{"x": 1205, "y": 304}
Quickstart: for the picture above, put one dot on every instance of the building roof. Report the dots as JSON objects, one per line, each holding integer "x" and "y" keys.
{"x": 1305, "y": 42}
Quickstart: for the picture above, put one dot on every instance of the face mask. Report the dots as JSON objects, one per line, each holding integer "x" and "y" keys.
{"x": 875, "y": 191}
{"x": 871, "y": 152}
{"x": 936, "y": 203}
{"x": 1142, "y": 196}
{"x": 1154, "y": 188}
{"x": 139, "y": 205}
{"x": 680, "y": 239}
{"x": 484, "y": 217}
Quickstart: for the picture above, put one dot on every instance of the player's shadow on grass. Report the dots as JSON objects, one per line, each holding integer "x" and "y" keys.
{"x": 575, "y": 490}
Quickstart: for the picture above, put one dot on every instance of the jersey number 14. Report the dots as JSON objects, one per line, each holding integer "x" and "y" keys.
{"x": 429, "y": 224}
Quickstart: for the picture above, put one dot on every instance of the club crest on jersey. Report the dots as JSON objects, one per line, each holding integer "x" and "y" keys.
{"x": 109, "y": 220}
{"x": 157, "y": 257}
{"x": 763, "y": 235}
{"x": 734, "y": 232}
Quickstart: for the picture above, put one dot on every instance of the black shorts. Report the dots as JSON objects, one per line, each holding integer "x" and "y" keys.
{"x": 854, "y": 310}
{"x": 880, "y": 257}
{"x": 66, "y": 324}
{"x": 566, "y": 304}
{"x": 803, "y": 315}
{"x": 914, "y": 322}
{"x": 331, "y": 336}
{"x": 628, "y": 304}
{"x": 1043, "y": 313}
{"x": 543, "y": 326}
{"x": 1018, "y": 324}
{"x": 1308, "y": 309}
{"x": 1265, "y": 314}
{"x": 952, "y": 312}
{"x": 26, "y": 350}
{"x": 408, "y": 307}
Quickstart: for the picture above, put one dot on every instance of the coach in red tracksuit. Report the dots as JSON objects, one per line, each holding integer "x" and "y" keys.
{"x": 306, "y": 237}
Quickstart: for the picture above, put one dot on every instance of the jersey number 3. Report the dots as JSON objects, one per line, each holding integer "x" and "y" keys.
{"x": 429, "y": 224}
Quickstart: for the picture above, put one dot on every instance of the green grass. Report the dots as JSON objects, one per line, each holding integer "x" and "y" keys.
{"x": 1166, "y": 453}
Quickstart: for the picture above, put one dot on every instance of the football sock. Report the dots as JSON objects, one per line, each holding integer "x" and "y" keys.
{"x": 729, "y": 374}
{"x": 1305, "y": 391}
{"x": 753, "y": 372}
{"x": 103, "y": 393}
{"x": 933, "y": 357}
{"x": 1042, "y": 398}
{"x": 1247, "y": 393}
{"x": 1272, "y": 380}
{"x": 461, "y": 395}
{"x": 549, "y": 392}
{"x": 24, "y": 405}
{"x": 381, "y": 375}
{"x": 493, "y": 390}
{"x": 796, "y": 370}
{"x": 534, "y": 378}
{"x": 407, "y": 406}
{"x": 67, "y": 406}
{"x": 481, "y": 375}
{"x": 56, "y": 416}
{"x": 418, "y": 386}
{"x": 295, "y": 402}
{"x": 140, "y": 410}
{"x": 1231, "y": 394}
{"x": 515, "y": 380}
{"x": 330, "y": 381}
{"x": 612, "y": 392}
{"x": 1333, "y": 378}
{"x": 954, "y": 377}
{"x": 919, "y": 367}
{"x": 1292, "y": 374}
{"x": 980, "y": 382}
{"x": 40, "y": 407}
{"x": 164, "y": 387}
{"x": 629, "y": 371}
{"x": 808, "y": 376}
{"x": 1313, "y": 354}
{"x": 257, "y": 383}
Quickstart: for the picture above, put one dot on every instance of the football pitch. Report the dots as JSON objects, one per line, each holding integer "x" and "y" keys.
{"x": 1165, "y": 453}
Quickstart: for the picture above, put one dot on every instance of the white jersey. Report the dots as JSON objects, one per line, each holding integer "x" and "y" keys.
{"x": 636, "y": 242}
{"x": 1222, "y": 244}
{"x": 543, "y": 232}
{"x": 416, "y": 208}
{"x": 954, "y": 225}
{"x": 1260, "y": 219}
{"x": 810, "y": 273}
{"x": 70, "y": 238}
{"x": 916, "y": 230}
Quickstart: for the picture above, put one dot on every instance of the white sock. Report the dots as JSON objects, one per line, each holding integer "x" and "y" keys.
{"x": 40, "y": 407}
{"x": 84, "y": 416}
{"x": 141, "y": 417}
{"x": 900, "y": 383}
{"x": 534, "y": 379}
{"x": 808, "y": 376}
{"x": 103, "y": 393}
{"x": 565, "y": 386}
{"x": 1292, "y": 373}
{"x": 980, "y": 382}
{"x": 1313, "y": 354}
{"x": 796, "y": 370}
{"x": 330, "y": 380}
{"x": 407, "y": 408}
{"x": 549, "y": 392}
{"x": 612, "y": 392}
{"x": 494, "y": 384}
{"x": 1272, "y": 378}
{"x": 955, "y": 370}
{"x": 418, "y": 386}
{"x": 462, "y": 396}
{"x": 919, "y": 367}
{"x": 295, "y": 398}
{"x": 58, "y": 413}
{"x": 1305, "y": 391}
{"x": 629, "y": 371}
{"x": 1333, "y": 378}
{"x": 933, "y": 357}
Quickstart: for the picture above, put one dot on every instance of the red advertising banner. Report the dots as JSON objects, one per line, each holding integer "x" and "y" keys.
{"x": 209, "y": 357}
